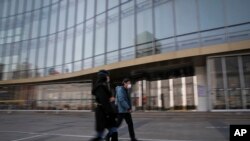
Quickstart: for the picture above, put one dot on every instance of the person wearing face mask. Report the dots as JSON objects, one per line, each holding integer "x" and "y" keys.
{"x": 124, "y": 105}
{"x": 104, "y": 112}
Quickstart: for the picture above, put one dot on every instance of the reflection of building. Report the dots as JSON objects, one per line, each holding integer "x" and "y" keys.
{"x": 181, "y": 55}
{"x": 146, "y": 47}
{"x": 52, "y": 71}
{"x": 22, "y": 71}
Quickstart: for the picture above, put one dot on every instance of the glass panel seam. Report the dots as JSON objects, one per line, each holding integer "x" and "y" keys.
{"x": 83, "y": 37}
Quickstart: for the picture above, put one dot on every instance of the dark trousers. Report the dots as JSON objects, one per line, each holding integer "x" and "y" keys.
{"x": 129, "y": 121}
{"x": 104, "y": 120}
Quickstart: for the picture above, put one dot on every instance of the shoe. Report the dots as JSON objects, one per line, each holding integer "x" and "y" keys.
{"x": 114, "y": 136}
{"x": 108, "y": 137}
{"x": 96, "y": 139}
{"x": 134, "y": 139}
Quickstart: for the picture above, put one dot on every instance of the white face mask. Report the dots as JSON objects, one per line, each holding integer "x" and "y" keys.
{"x": 108, "y": 79}
{"x": 129, "y": 86}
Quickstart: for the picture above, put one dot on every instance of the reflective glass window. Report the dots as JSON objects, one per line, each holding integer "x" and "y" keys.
{"x": 50, "y": 51}
{"x": 87, "y": 63}
{"x": 100, "y": 34}
{"x": 67, "y": 68}
{"x": 21, "y": 6}
{"x": 1, "y": 10}
{"x": 2, "y": 30}
{"x": 90, "y": 8}
{"x": 55, "y": 1}
{"x": 164, "y": 26}
{"x": 47, "y": 2}
{"x": 99, "y": 60}
{"x": 29, "y": 5}
{"x": 112, "y": 3}
{"x": 60, "y": 46}
{"x": 7, "y": 54}
{"x": 44, "y": 22}
{"x": 79, "y": 43}
{"x": 211, "y": 14}
{"x": 38, "y": 4}
{"x": 18, "y": 34}
{"x": 15, "y": 52}
{"x": 144, "y": 21}
{"x": 80, "y": 11}
{"x": 186, "y": 16}
{"x": 10, "y": 28}
{"x": 35, "y": 26}
{"x": 112, "y": 57}
{"x": 53, "y": 18}
{"x": 32, "y": 53}
{"x": 5, "y": 8}
{"x": 237, "y": 11}
{"x": 113, "y": 25}
{"x": 101, "y": 6}
{"x": 12, "y": 7}
{"x": 24, "y": 53}
{"x": 71, "y": 13}
{"x": 41, "y": 53}
{"x": 88, "y": 48}
{"x": 77, "y": 65}
{"x": 62, "y": 17}
{"x": 1, "y": 52}
{"x": 69, "y": 45}
{"x": 128, "y": 53}
{"x": 127, "y": 25}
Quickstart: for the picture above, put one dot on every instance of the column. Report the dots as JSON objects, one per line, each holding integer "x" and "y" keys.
{"x": 171, "y": 94}
{"x": 183, "y": 91}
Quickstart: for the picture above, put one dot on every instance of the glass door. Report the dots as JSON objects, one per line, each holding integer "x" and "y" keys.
{"x": 190, "y": 93}
{"x": 246, "y": 77}
{"x": 177, "y": 87}
{"x": 165, "y": 95}
{"x": 229, "y": 81}
{"x": 217, "y": 84}
{"x": 233, "y": 83}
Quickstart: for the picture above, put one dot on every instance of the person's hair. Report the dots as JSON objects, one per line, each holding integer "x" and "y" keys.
{"x": 103, "y": 72}
{"x": 102, "y": 76}
{"x": 125, "y": 80}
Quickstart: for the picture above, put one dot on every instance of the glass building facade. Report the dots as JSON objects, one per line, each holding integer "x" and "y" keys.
{"x": 40, "y": 38}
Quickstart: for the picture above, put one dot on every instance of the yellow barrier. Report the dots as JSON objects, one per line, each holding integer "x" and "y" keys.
{"x": 11, "y": 101}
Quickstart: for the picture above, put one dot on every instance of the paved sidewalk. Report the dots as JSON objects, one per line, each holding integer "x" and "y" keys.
{"x": 148, "y": 126}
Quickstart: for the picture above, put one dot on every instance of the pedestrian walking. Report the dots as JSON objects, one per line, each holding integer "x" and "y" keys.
{"x": 124, "y": 105}
{"x": 104, "y": 112}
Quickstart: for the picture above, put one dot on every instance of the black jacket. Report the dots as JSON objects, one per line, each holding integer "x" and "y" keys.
{"x": 102, "y": 96}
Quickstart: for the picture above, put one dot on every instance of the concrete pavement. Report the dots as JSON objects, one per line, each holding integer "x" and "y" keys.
{"x": 174, "y": 126}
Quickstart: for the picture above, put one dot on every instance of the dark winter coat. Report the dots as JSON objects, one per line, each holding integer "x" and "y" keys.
{"x": 104, "y": 113}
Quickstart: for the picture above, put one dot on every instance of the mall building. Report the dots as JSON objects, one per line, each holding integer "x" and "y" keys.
{"x": 181, "y": 55}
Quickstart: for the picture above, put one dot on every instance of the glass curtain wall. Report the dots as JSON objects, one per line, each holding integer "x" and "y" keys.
{"x": 50, "y": 37}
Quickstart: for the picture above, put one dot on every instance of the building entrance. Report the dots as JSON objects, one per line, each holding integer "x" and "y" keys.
{"x": 229, "y": 82}
{"x": 165, "y": 94}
